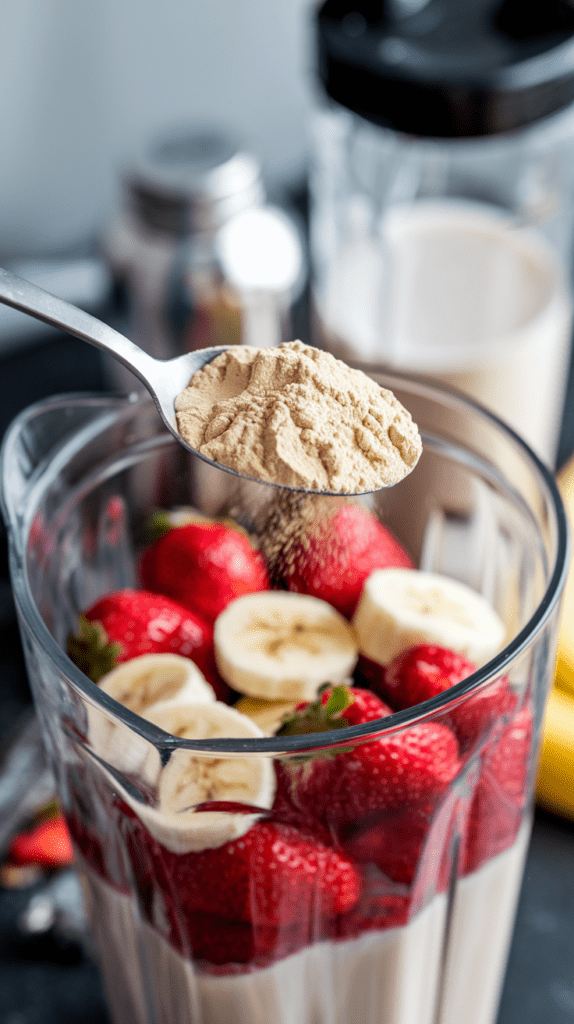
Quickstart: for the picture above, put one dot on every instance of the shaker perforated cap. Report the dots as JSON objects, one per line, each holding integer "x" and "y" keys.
{"x": 448, "y": 68}
{"x": 193, "y": 179}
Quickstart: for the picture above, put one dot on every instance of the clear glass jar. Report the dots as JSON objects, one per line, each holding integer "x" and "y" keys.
{"x": 431, "y": 882}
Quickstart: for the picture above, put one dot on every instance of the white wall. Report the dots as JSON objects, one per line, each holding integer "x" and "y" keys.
{"x": 83, "y": 84}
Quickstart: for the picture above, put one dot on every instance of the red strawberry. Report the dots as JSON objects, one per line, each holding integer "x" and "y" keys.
{"x": 127, "y": 623}
{"x": 400, "y": 769}
{"x": 222, "y": 942}
{"x": 47, "y": 843}
{"x": 364, "y": 706}
{"x": 422, "y": 672}
{"x": 285, "y": 810}
{"x": 335, "y": 708}
{"x": 427, "y": 670}
{"x": 273, "y": 876}
{"x": 204, "y": 566}
{"x": 334, "y": 561}
{"x": 378, "y": 909}
{"x": 217, "y": 938}
{"x": 409, "y": 845}
{"x": 394, "y": 843}
{"x": 500, "y": 796}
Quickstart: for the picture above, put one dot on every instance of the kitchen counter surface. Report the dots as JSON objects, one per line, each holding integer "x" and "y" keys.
{"x": 50, "y": 979}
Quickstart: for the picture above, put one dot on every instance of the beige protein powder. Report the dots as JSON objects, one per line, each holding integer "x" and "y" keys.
{"x": 296, "y": 416}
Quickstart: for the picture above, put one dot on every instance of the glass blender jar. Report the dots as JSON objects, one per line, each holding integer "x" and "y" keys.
{"x": 419, "y": 946}
{"x": 442, "y": 188}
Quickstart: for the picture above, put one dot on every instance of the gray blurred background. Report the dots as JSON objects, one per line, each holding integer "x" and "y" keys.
{"x": 84, "y": 84}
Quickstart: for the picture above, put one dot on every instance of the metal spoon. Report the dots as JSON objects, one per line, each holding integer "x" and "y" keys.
{"x": 164, "y": 379}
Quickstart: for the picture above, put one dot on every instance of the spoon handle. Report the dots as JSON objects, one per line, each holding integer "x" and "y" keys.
{"x": 29, "y": 298}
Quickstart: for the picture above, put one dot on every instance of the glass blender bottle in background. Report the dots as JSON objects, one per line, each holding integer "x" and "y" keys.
{"x": 200, "y": 256}
{"x": 442, "y": 197}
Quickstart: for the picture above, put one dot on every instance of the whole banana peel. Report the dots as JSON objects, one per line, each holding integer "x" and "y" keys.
{"x": 555, "y": 787}
{"x": 565, "y": 660}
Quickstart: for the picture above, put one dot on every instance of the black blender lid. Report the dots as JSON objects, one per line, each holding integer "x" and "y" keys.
{"x": 448, "y": 68}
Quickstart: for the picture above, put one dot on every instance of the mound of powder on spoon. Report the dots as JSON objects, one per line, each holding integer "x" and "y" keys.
{"x": 296, "y": 416}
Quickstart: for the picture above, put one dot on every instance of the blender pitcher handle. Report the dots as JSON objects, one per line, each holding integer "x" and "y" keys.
{"x": 34, "y": 438}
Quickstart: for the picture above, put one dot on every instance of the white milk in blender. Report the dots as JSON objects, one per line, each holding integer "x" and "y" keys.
{"x": 456, "y": 291}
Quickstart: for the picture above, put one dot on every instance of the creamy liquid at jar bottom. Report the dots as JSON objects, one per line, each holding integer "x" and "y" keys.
{"x": 452, "y": 290}
{"x": 386, "y": 977}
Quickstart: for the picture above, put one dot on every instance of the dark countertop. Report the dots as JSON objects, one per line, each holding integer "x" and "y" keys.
{"x": 51, "y": 980}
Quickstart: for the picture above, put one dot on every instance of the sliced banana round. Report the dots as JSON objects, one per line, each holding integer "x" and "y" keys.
{"x": 283, "y": 646}
{"x": 193, "y": 778}
{"x": 400, "y": 608}
{"x": 149, "y": 682}
{"x": 267, "y": 714}
{"x": 151, "y": 679}
{"x": 182, "y": 515}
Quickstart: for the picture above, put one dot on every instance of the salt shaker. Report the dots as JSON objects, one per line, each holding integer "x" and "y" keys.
{"x": 201, "y": 257}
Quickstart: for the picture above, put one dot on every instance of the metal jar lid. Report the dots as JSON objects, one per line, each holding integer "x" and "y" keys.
{"x": 448, "y": 68}
{"x": 192, "y": 180}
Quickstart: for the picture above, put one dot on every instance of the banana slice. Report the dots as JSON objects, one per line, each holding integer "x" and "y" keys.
{"x": 162, "y": 520}
{"x": 141, "y": 683}
{"x": 400, "y": 608}
{"x": 149, "y": 682}
{"x": 267, "y": 714}
{"x": 182, "y": 515}
{"x": 191, "y": 778}
{"x": 283, "y": 646}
